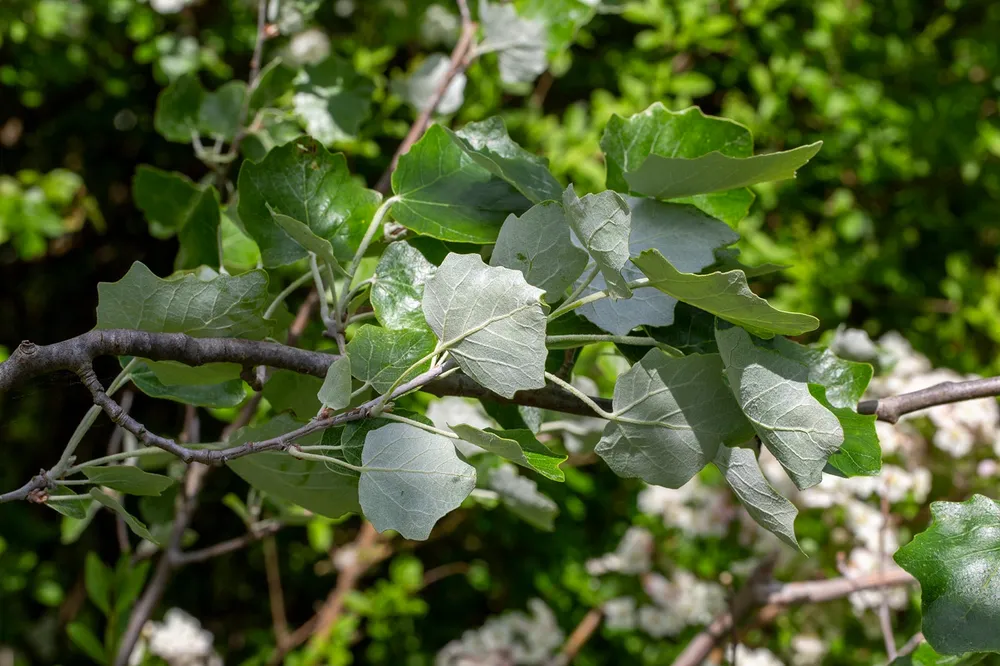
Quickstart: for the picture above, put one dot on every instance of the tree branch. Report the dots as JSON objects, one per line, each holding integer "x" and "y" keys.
{"x": 891, "y": 409}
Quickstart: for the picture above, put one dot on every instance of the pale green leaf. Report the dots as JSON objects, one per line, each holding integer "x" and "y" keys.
{"x": 381, "y": 356}
{"x": 521, "y": 497}
{"x": 672, "y": 415}
{"x": 764, "y": 504}
{"x": 602, "y": 223}
{"x": 274, "y": 81}
{"x": 520, "y": 42}
{"x": 225, "y": 394}
{"x": 304, "y": 236}
{"x": 540, "y": 246}
{"x": 490, "y": 320}
{"x": 418, "y": 88}
{"x": 71, "y": 508}
{"x": 564, "y": 19}
{"x": 336, "y": 390}
{"x": 289, "y": 391}
{"x": 332, "y": 100}
{"x": 127, "y": 479}
{"x": 219, "y": 113}
{"x": 726, "y": 295}
{"x": 410, "y": 479}
{"x": 398, "y": 287}
{"x": 518, "y": 446}
{"x": 134, "y": 524}
{"x": 773, "y": 391}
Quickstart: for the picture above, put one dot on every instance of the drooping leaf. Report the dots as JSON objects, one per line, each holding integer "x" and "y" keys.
{"x": 519, "y": 42}
{"x": 274, "y": 80}
{"x": 325, "y": 489}
{"x": 684, "y": 235}
{"x": 398, "y": 286}
{"x": 83, "y": 637}
{"x": 418, "y": 88}
{"x": 518, "y": 446}
{"x": 490, "y": 320}
{"x": 380, "y": 356}
{"x": 219, "y": 306}
{"x": 539, "y": 245}
{"x": 310, "y": 242}
{"x": 134, "y": 524}
{"x": 956, "y": 560}
{"x": 336, "y": 390}
{"x": 445, "y": 194}
{"x": 488, "y": 143}
{"x": 728, "y": 259}
{"x": 764, "y": 504}
{"x": 98, "y": 580}
{"x": 410, "y": 479}
{"x": 225, "y": 394}
{"x": 672, "y": 415}
{"x": 289, "y": 391}
{"x": 219, "y": 113}
{"x": 520, "y": 496}
{"x": 774, "y": 393}
{"x": 129, "y": 480}
{"x": 70, "y": 508}
{"x": 304, "y": 181}
{"x": 726, "y": 295}
{"x": 602, "y": 223}
{"x": 925, "y": 655}
{"x": 174, "y": 205}
{"x": 332, "y": 100}
{"x": 177, "y": 108}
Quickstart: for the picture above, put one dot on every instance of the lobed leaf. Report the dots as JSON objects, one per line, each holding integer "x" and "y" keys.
{"x": 766, "y": 506}
{"x": 397, "y": 291}
{"x": 381, "y": 356}
{"x": 602, "y": 223}
{"x": 175, "y": 205}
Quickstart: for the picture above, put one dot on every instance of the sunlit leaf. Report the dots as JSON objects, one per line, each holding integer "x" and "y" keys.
{"x": 518, "y": 446}
{"x": 764, "y": 504}
{"x": 398, "y": 286}
{"x": 381, "y": 356}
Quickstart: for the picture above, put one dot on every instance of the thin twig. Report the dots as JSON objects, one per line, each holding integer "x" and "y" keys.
{"x": 444, "y": 571}
{"x": 459, "y": 62}
{"x": 272, "y": 568}
{"x": 224, "y": 547}
{"x": 884, "y": 618}
{"x": 911, "y": 645}
{"x": 588, "y": 625}
{"x": 892, "y": 408}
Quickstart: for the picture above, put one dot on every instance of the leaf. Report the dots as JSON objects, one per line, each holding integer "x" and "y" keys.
{"x": 445, "y": 194}
{"x": 520, "y": 42}
{"x": 225, "y": 394}
{"x": 521, "y": 497}
{"x": 303, "y": 235}
{"x": 84, "y": 638}
{"x": 627, "y": 142}
{"x": 398, "y": 286}
{"x": 672, "y": 415}
{"x": 97, "y": 580}
{"x": 684, "y": 235}
{"x": 336, "y": 390}
{"x": 518, "y": 446}
{"x": 274, "y": 81}
{"x": 304, "y": 181}
{"x": 488, "y": 143}
{"x": 411, "y": 478}
{"x": 418, "y": 88}
{"x": 177, "y": 108}
{"x": 327, "y": 490}
{"x": 925, "y": 655}
{"x": 539, "y": 245}
{"x": 295, "y": 393}
{"x": 728, "y": 260}
{"x": 764, "y": 504}
{"x": 491, "y": 321}
{"x": 956, "y": 560}
{"x": 602, "y": 223}
{"x": 351, "y": 437}
{"x": 219, "y": 113}
{"x": 564, "y": 19}
{"x": 220, "y": 306}
{"x": 175, "y": 205}
{"x": 669, "y": 178}
{"x": 332, "y": 100}
{"x": 380, "y": 356}
{"x": 774, "y": 393}
{"x": 693, "y": 331}
{"x": 129, "y": 480}
{"x": 726, "y": 295}
{"x": 134, "y": 524}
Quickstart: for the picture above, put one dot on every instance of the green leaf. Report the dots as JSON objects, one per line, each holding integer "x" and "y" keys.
{"x": 518, "y": 446}
{"x": 310, "y": 242}
{"x": 411, "y": 478}
{"x": 177, "y": 109}
{"x": 693, "y": 331}
{"x": 219, "y": 113}
{"x": 687, "y": 134}
{"x": 540, "y": 246}
{"x": 728, "y": 260}
{"x": 292, "y": 392}
{"x": 73, "y": 508}
{"x": 925, "y": 655}
{"x": 175, "y": 205}
{"x": 127, "y": 479}
{"x": 97, "y": 580}
{"x": 521, "y": 497}
{"x": 672, "y": 415}
{"x": 332, "y": 100}
{"x": 380, "y": 356}
{"x": 128, "y": 592}
{"x": 422, "y": 84}
{"x": 133, "y": 523}
{"x": 336, "y": 390}
{"x": 491, "y": 321}
{"x": 219, "y": 306}
{"x": 304, "y": 181}
{"x": 956, "y": 560}
{"x": 564, "y": 19}
{"x": 765, "y": 505}
{"x": 726, "y": 295}
{"x": 488, "y": 143}
{"x": 275, "y": 80}
{"x": 774, "y": 393}
{"x": 352, "y": 436}
{"x": 684, "y": 235}
{"x": 398, "y": 286}
{"x": 602, "y": 223}
{"x": 325, "y": 489}
{"x": 84, "y": 638}
{"x": 445, "y": 194}
{"x": 520, "y": 42}
{"x": 670, "y": 178}
{"x": 229, "y": 393}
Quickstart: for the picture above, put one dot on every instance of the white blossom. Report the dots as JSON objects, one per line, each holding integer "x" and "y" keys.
{"x": 854, "y": 344}
{"x": 619, "y": 614}
{"x": 309, "y": 47}
{"x": 179, "y": 640}
{"x": 511, "y": 638}
{"x": 168, "y": 6}
{"x": 807, "y": 650}
{"x": 863, "y": 561}
{"x": 755, "y": 657}
{"x": 694, "y": 508}
{"x": 632, "y": 556}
